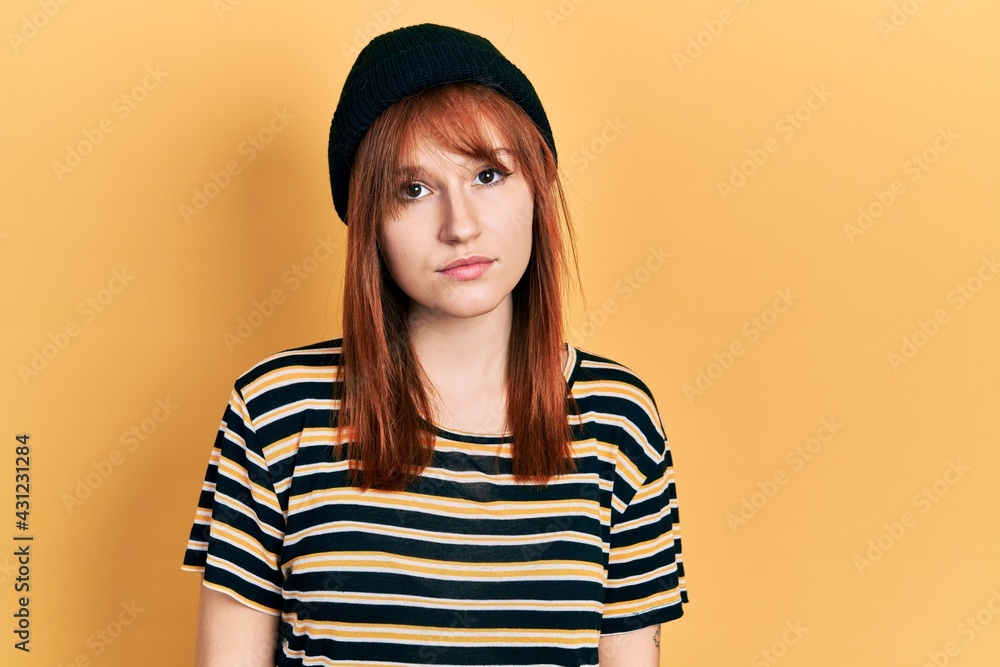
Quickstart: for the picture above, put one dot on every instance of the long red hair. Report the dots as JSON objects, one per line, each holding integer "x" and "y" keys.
{"x": 383, "y": 400}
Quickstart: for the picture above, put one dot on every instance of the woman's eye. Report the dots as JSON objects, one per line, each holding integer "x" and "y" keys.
{"x": 412, "y": 190}
{"x": 490, "y": 176}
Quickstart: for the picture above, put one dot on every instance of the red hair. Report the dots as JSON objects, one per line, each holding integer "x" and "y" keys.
{"x": 383, "y": 400}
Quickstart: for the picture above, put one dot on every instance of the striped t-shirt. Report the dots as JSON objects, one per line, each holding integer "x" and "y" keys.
{"x": 464, "y": 566}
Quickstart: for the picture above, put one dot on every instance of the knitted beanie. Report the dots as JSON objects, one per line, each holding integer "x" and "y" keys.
{"x": 404, "y": 61}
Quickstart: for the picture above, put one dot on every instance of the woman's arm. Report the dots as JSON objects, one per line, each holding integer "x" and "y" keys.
{"x": 231, "y": 634}
{"x": 639, "y": 648}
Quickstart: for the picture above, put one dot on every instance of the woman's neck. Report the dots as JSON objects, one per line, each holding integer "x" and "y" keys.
{"x": 465, "y": 362}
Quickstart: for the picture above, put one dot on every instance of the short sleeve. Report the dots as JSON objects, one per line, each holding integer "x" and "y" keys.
{"x": 239, "y": 526}
{"x": 646, "y": 584}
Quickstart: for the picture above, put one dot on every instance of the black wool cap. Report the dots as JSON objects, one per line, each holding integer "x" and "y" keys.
{"x": 404, "y": 61}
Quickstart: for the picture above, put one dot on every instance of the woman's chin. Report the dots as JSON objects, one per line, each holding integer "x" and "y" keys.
{"x": 456, "y": 309}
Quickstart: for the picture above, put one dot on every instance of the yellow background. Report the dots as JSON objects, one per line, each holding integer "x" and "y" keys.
{"x": 662, "y": 132}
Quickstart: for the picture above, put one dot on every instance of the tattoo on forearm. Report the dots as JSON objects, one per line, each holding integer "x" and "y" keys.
{"x": 656, "y": 638}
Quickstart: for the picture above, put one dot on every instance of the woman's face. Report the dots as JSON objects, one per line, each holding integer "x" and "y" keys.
{"x": 459, "y": 209}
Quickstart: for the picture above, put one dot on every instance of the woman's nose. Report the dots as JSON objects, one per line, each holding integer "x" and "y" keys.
{"x": 460, "y": 216}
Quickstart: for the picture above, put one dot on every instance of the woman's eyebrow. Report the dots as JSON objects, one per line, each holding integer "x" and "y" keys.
{"x": 410, "y": 171}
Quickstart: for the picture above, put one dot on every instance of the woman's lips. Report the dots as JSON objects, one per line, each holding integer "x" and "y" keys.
{"x": 468, "y": 271}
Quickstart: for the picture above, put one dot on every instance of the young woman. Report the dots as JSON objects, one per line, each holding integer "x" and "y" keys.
{"x": 449, "y": 482}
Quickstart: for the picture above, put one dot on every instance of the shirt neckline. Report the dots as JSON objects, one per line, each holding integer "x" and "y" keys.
{"x": 569, "y": 373}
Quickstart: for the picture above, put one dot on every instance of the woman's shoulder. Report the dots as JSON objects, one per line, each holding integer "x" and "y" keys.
{"x": 612, "y": 394}
{"x": 592, "y": 367}
{"x": 312, "y": 365}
